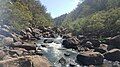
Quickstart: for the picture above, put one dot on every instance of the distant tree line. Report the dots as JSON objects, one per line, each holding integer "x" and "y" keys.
{"x": 93, "y": 17}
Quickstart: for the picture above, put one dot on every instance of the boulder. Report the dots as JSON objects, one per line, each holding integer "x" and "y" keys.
{"x": 36, "y": 31}
{"x": 103, "y": 46}
{"x": 28, "y": 30}
{"x": 17, "y": 52}
{"x": 72, "y": 65}
{"x": 115, "y": 41}
{"x": 17, "y": 43}
{"x": 48, "y": 40}
{"x": 95, "y": 42}
{"x": 16, "y": 37}
{"x": 80, "y": 37}
{"x": 2, "y": 54}
{"x": 67, "y": 54}
{"x": 71, "y": 43}
{"x": 113, "y": 55}
{"x": 90, "y": 58}
{"x": 39, "y": 53}
{"x": 22, "y": 32}
{"x": 67, "y": 36}
{"x": 29, "y": 35}
{"x": 62, "y": 61}
{"x": 43, "y": 45}
{"x": 100, "y": 50}
{"x": 39, "y": 61}
{"x": 27, "y": 47}
{"x": 7, "y": 41}
{"x": 88, "y": 44}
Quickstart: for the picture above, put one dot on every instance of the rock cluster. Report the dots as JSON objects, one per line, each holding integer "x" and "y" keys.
{"x": 91, "y": 50}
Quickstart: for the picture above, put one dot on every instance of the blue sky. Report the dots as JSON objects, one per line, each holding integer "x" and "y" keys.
{"x": 59, "y": 7}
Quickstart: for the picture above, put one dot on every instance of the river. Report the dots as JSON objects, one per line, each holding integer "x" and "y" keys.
{"x": 55, "y": 51}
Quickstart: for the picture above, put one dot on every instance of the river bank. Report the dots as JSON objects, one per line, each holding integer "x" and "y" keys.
{"x": 61, "y": 48}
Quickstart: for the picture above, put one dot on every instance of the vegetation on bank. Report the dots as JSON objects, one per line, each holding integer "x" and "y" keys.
{"x": 24, "y": 13}
{"x": 93, "y": 17}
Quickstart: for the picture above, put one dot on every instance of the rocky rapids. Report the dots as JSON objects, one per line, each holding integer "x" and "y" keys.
{"x": 57, "y": 47}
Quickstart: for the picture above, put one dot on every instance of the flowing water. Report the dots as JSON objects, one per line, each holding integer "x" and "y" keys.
{"x": 54, "y": 52}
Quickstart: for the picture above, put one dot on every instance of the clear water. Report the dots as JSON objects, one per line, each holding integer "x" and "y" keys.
{"x": 54, "y": 54}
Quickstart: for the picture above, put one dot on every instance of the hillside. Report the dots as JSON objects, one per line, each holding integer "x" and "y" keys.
{"x": 93, "y": 16}
{"x": 24, "y": 13}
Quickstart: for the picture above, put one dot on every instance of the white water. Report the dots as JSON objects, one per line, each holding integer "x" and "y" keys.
{"x": 54, "y": 54}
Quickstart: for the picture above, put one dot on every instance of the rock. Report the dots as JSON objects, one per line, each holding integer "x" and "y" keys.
{"x": 80, "y": 37}
{"x": 115, "y": 41}
{"x": 48, "y": 40}
{"x": 39, "y": 53}
{"x": 21, "y": 49}
{"x": 36, "y": 31}
{"x": 113, "y": 55}
{"x": 7, "y": 41}
{"x": 37, "y": 36}
{"x": 103, "y": 46}
{"x": 16, "y": 37}
{"x": 95, "y": 42}
{"x": 29, "y": 35}
{"x": 39, "y": 61}
{"x": 32, "y": 52}
{"x": 90, "y": 58}
{"x": 2, "y": 53}
{"x": 52, "y": 35}
{"x": 61, "y": 48}
{"x": 25, "y": 63}
{"x": 17, "y": 52}
{"x": 88, "y": 44}
{"x": 62, "y": 61}
{"x": 28, "y": 30}
{"x": 44, "y": 45}
{"x": 27, "y": 47}
{"x": 67, "y": 36}
{"x": 67, "y": 54}
{"x": 71, "y": 43}
{"x": 72, "y": 65}
{"x": 18, "y": 43}
{"x": 22, "y": 32}
{"x": 100, "y": 50}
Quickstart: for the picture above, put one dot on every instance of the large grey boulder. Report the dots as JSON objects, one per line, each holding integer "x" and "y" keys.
{"x": 7, "y": 41}
{"x": 72, "y": 42}
{"x": 113, "y": 55}
{"x": 114, "y": 41}
{"x": 90, "y": 58}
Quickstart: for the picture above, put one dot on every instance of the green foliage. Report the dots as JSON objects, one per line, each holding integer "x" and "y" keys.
{"x": 99, "y": 17}
{"x": 58, "y": 20}
{"x": 107, "y": 21}
{"x": 24, "y": 13}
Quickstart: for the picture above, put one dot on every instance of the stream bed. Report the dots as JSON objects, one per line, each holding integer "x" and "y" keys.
{"x": 54, "y": 52}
